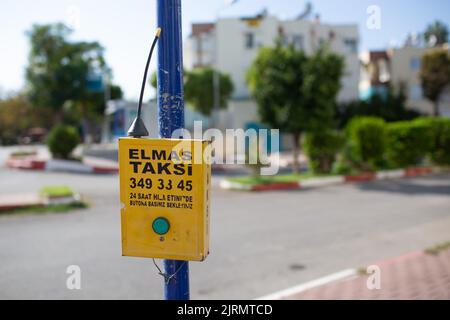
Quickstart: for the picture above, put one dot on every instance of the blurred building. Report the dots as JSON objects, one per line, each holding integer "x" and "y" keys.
{"x": 231, "y": 44}
{"x": 396, "y": 67}
{"x": 375, "y": 73}
{"x": 119, "y": 115}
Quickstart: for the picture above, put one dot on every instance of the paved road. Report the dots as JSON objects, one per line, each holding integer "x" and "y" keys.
{"x": 260, "y": 242}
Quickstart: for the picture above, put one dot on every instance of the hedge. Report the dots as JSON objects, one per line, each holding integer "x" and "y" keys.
{"x": 322, "y": 148}
{"x": 407, "y": 143}
{"x": 366, "y": 142}
{"x": 439, "y": 132}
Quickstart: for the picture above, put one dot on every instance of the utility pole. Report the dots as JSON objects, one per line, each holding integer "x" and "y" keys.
{"x": 171, "y": 116}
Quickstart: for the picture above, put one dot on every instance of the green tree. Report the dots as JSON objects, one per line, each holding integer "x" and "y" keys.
{"x": 390, "y": 106}
{"x": 322, "y": 148}
{"x": 13, "y": 120}
{"x": 435, "y": 76}
{"x": 115, "y": 93}
{"x": 58, "y": 70}
{"x": 436, "y": 33}
{"x": 295, "y": 93}
{"x": 91, "y": 108}
{"x": 154, "y": 80}
{"x": 17, "y": 116}
{"x": 199, "y": 89}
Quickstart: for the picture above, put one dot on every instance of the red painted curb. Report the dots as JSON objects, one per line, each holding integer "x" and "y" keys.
{"x": 104, "y": 170}
{"x": 365, "y": 177}
{"x": 27, "y": 164}
{"x": 277, "y": 186}
{"x": 361, "y": 177}
{"x": 414, "y": 172}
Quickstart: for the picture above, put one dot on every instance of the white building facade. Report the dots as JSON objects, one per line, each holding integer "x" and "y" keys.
{"x": 231, "y": 44}
{"x": 405, "y": 68}
{"x": 400, "y": 67}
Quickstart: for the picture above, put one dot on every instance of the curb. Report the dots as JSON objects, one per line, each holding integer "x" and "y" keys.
{"x": 104, "y": 170}
{"x": 364, "y": 177}
{"x": 322, "y": 182}
{"x": 277, "y": 186}
{"x": 344, "y": 275}
{"x": 230, "y": 185}
{"x": 330, "y": 181}
{"x": 19, "y": 201}
{"x": 22, "y": 201}
{"x": 59, "y": 166}
{"x": 26, "y": 164}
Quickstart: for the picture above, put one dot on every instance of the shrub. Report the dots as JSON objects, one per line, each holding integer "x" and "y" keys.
{"x": 61, "y": 141}
{"x": 407, "y": 142}
{"x": 439, "y": 129}
{"x": 322, "y": 148}
{"x": 440, "y": 153}
{"x": 342, "y": 167}
{"x": 366, "y": 142}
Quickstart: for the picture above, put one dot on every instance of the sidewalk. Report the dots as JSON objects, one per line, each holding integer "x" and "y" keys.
{"x": 415, "y": 276}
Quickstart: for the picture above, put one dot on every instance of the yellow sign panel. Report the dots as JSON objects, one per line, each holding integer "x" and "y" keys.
{"x": 164, "y": 191}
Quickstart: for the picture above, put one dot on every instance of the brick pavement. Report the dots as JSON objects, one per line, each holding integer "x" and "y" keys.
{"x": 415, "y": 276}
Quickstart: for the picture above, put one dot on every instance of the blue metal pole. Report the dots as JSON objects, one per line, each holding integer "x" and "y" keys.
{"x": 171, "y": 115}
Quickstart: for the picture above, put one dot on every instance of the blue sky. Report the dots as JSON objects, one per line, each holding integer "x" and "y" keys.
{"x": 125, "y": 28}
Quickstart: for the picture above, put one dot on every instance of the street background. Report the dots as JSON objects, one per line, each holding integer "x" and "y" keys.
{"x": 356, "y": 96}
{"x": 260, "y": 243}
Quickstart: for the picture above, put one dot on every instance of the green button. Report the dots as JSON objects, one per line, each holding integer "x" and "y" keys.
{"x": 161, "y": 226}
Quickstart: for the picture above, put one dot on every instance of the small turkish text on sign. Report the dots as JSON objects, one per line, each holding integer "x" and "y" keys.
{"x": 165, "y": 193}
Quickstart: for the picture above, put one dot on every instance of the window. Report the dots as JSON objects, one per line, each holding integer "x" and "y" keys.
{"x": 249, "y": 40}
{"x": 415, "y": 92}
{"x": 351, "y": 44}
{"x": 297, "y": 41}
{"x": 322, "y": 42}
{"x": 415, "y": 64}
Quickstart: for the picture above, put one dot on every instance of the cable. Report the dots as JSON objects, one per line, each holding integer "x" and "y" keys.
{"x": 137, "y": 128}
{"x": 166, "y": 276}
{"x": 144, "y": 81}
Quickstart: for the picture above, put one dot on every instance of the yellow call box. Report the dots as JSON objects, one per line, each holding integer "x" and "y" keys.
{"x": 165, "y": 193}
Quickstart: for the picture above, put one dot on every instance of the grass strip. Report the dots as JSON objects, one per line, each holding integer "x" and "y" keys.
{"x": 56, "y": 191}
{"x": 282, "y": 178}
{"x": 435, "y": 250}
